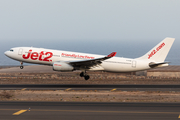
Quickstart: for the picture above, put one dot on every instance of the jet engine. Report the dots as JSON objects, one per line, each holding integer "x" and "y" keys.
{"x": 62, "y": 66}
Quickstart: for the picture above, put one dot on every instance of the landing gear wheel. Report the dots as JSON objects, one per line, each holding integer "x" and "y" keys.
{"x": 82, "y": 74}
{"x": 21, "y": 67}
{"x": 86, "y": 77}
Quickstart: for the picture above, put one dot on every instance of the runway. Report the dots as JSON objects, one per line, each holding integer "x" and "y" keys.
{"x": 92, "y": 87}
{"x": 88, "y": 111}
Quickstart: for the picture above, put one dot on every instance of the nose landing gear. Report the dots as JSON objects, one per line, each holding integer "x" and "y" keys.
{"x": 83, "y": 74}
{"x": 21, "y": 67}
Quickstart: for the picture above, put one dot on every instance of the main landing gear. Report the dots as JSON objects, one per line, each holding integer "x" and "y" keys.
{"x": 21, "y": 65}
{"x": 83, "y": 74}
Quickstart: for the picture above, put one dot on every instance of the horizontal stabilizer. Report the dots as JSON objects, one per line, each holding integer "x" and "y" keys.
{"x": 153, "y": 65}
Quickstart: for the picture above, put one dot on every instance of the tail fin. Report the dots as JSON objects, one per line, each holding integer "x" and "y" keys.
{"x": 160, "y": 51}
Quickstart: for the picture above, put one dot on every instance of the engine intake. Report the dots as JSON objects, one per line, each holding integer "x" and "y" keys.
{"x": 62, "y": 66}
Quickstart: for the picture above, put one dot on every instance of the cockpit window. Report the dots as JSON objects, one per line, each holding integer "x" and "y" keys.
{"x": 11, "y": 50}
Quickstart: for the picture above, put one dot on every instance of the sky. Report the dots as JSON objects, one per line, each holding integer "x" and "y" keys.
{"x": 93, "y": 26}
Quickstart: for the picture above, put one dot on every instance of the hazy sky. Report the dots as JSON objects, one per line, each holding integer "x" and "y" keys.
{"x": 80, "y": 25}
{"x": 39, "y": 20}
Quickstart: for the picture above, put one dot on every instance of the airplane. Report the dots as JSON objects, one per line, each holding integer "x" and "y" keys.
{"x": 66, "y": 61}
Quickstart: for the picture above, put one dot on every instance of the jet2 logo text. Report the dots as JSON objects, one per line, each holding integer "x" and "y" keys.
{"x": 38, "y": 56}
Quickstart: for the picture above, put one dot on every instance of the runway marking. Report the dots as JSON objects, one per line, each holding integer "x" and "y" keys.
{"x": 89, "y": 111}
{"x": 24, "y": 89}
{"x": 136, "y": 112}
{"x": 68, "y": 89}
{"x": 19, "y": 112}
{"x": 113, "y": 89}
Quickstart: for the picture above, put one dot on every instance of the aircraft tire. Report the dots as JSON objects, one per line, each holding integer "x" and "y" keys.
{"x": 86, "y": 77}
{"x": 81, "y": 74}
{"x": 21, "y": 67}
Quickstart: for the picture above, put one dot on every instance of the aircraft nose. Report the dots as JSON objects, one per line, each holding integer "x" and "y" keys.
{"x": 6, "y": 53}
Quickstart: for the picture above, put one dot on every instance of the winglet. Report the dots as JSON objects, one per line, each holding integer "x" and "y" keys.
{"x": 112, "y": 54}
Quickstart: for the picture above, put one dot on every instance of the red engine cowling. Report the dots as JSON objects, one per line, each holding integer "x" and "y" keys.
{"x": 62, "y": 66}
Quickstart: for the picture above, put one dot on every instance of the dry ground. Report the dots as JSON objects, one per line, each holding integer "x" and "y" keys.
{"x": 73, "y": 78}
{"x": 45, "y": 75}
{"x": 89, "y": 96}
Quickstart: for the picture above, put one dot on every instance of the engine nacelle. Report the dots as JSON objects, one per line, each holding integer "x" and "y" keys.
{"x": 62, "y": 66}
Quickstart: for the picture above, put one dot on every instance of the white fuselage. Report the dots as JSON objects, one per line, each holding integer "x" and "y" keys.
{"x": 49, "y": 56}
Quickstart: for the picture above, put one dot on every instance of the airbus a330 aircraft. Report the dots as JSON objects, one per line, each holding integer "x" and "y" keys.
{"x": 70, "y": 61}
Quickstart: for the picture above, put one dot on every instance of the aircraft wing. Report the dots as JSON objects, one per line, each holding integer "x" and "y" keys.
{"x": 87, "y": 64}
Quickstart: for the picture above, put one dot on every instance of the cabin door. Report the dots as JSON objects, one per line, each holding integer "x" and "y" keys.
{"x": 133, "y": 64}
{"x": 20, "y": 51}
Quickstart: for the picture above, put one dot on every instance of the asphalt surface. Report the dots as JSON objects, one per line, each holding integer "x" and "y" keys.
{"x": 88, "y": 111}
{"x": 93, "y": 87}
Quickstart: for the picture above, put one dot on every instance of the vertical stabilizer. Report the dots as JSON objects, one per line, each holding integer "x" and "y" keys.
{"x": 160, "y": 51}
